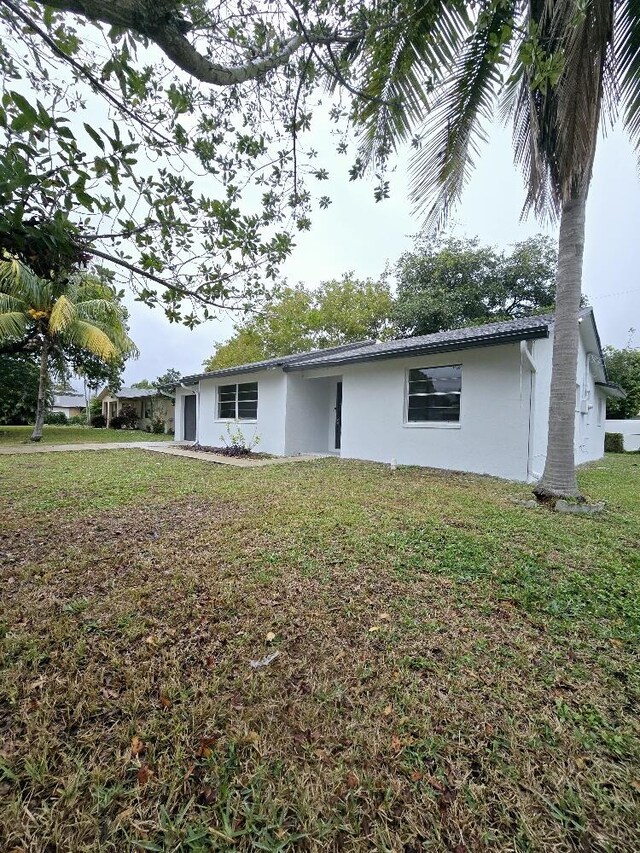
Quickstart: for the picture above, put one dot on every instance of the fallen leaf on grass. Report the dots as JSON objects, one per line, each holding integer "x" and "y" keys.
{"x": 270, "y": 637}
{"x": 110, "y": 694}
{"x": 396, "y": 743}
{"x": 144, "y": 774}
{"x": 375, "y": 628}
{"x": 388, "y": 711}
{"x": 416, "y": 776}
{"x": 251, "y": 739}
{"x": 165, "y": 701}
{"x": 352, "y": 780}
{"x": 204, "y": 748}
{"x": 137, "y": 746}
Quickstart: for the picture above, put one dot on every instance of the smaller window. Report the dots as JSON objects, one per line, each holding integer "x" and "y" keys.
{"x": 238, "y": 402}
{"x": 434, "y": 394}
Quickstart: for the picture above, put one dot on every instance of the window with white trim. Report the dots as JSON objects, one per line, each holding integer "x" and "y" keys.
{"x": 238, "y": 402}
{"x": 433, "y": 394}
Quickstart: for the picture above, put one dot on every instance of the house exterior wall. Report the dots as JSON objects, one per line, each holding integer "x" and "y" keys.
{"x": 308, "y": 420}
{"x": 69, "y": 411}
{"x": 491, "y": 437}
{"x": 269, "y": 425}
{"x": 589, "y": 408}
{"x": 630, "y": 430}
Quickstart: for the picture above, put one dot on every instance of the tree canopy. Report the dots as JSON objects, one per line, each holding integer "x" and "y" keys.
{"x": 18, "y": 389}
{"x": 450, "y": 282}
{"x": 337, "y": 312}
{"x": 623, "y": 368}
{"x": 168, "y": 138}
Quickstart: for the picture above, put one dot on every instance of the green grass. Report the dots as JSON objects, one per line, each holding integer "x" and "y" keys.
{"x": 456, "y": 672}
{"x": 75, "y": 435}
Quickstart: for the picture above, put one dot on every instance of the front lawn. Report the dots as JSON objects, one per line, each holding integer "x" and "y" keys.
{"x": 455, "y": 672}
{"x": 76, "y": 435}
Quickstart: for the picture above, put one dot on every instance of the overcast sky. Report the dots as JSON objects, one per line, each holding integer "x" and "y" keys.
{"x": 356, "y": 234}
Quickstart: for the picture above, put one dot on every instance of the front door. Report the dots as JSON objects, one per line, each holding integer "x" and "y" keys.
{"x": 338, "y": 430}
{"x": 190, "y": 417}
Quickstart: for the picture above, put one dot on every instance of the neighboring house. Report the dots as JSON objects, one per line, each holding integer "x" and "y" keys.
{"x": 630, "y": 430}
{"x": 473, "y": 399}
{"x": 70, "y": 404}
{"x": 148, "y": 404}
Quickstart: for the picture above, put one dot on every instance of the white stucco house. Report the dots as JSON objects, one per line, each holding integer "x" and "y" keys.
{"x": 473, "y": 399}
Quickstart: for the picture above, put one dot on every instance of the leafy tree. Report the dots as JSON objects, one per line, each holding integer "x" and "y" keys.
{"x": 448, "y": 283}
{"x": 18, "y": 389}
{"x": 557, "y": 70}
{"x": 168, "y": 377}
{"x": 623, "y": 367}
{"x": 80, "y": 311}
{"x": 222, "y": 111}
{"x": 144, "y": 384}
{"x": 337, "y": 312}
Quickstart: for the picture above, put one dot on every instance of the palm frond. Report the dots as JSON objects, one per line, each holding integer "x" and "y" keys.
{"x": 627, "y": 62}
{"x": 13, "y": 325}
{"x": 11, "y": 303}
{"x": 18, "y": 280}
{"x": 91, "y": 338}
{"x": 587, "y": 41}
{"x": 62, "y": 315}
{"x": 399, "y": 67}
{"x": 455, "y": 128}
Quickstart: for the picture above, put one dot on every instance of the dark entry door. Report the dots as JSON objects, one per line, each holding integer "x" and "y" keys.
{"x": 190, "y": 417}
{"x": 338, "y": 435}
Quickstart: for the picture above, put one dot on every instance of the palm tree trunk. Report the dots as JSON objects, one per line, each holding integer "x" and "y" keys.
{"x": 559, "y": 477}
{"x": 41, "y": 409}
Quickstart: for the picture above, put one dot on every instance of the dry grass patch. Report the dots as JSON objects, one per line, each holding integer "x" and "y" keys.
{"x": 454, "y": 672}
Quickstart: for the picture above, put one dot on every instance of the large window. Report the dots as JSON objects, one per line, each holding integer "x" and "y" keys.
{"x": 434, "y": 394}
{"x": 238, "y": 402}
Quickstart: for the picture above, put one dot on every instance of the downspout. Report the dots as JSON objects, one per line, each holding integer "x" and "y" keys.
{"x": 525, "y": 356}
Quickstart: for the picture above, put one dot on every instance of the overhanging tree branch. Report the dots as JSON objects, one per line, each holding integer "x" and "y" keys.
{"x": 161, "y": 22}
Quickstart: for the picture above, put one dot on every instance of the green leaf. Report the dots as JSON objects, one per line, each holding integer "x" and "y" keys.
{"x": 94, "y": 135}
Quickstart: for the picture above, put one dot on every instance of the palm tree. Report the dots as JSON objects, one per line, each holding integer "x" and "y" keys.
{"x": 81, "y": 311}
{"x": 557, "y": 69}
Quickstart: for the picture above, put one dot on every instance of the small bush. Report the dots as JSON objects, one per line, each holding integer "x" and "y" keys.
{"x": 613, "y": 442}
{"x": 98, "y": 421}
{"x": 129, "y": 417}
{"x": 58, "y": 418}
{"x": 157, "y": 426}
{"x": 78, "y": 420}
{"x": 116, "y": 422}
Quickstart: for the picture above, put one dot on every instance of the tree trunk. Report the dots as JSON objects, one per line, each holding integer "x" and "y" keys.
{"x": 42, "y": 391}
{"x": 559, "y": 477}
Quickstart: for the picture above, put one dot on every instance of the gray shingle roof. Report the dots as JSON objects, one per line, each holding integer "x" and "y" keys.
{"x": 455, "y": 339}
{"x": 280, "y": 361}
{"x": 133, "y": 393}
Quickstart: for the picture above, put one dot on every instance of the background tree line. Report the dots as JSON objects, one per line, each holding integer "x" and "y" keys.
{"x": 442, "y": 284}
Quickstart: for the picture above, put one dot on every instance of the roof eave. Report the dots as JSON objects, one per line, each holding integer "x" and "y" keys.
{"x": 424, "y": 349}
{"x": 610, "y": 389}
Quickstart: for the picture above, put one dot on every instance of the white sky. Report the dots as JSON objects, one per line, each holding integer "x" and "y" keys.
{"x": 356, "y": 234}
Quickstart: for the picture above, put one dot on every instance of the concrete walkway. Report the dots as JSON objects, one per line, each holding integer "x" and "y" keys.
{"x": 168, "y": 448}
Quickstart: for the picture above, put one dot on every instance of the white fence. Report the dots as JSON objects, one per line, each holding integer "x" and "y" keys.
{"x": 630, "y": 430}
